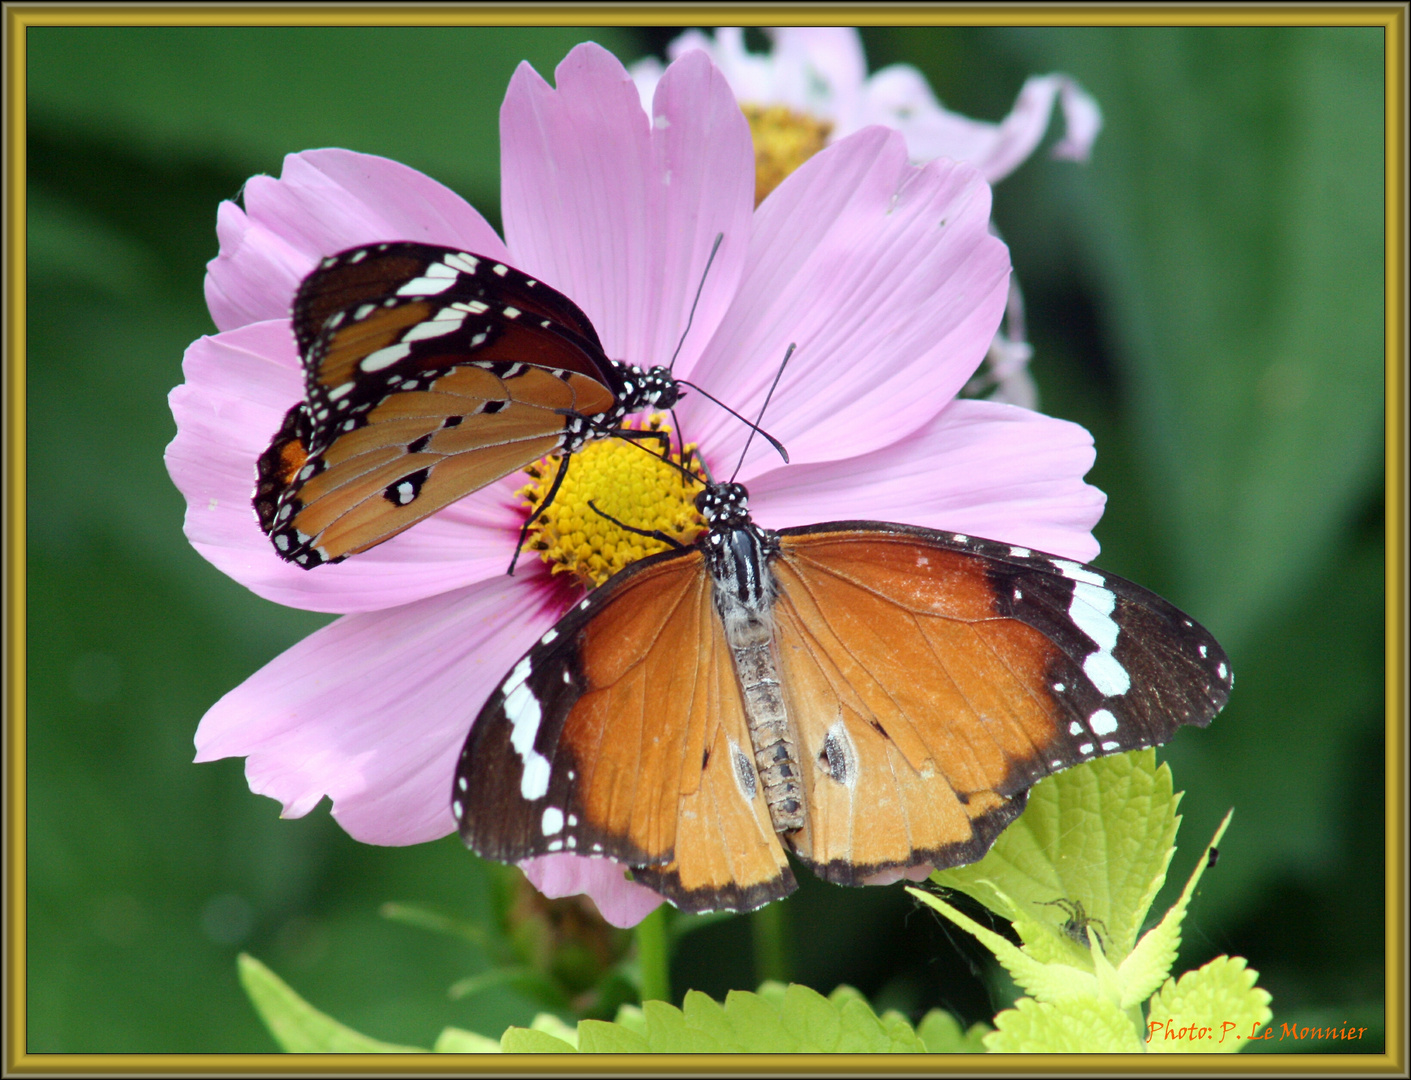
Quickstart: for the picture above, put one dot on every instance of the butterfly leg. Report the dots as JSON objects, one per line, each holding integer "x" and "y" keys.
{"x": 539, "y": 510}
{"x": 662, "y": 438}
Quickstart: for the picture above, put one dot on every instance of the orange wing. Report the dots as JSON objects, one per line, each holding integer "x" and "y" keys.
{"x": 622, "y": 734}
{"x": 933, "y": 679}
{"x": 429, "y": 373}
{"x": 417, "y": 451}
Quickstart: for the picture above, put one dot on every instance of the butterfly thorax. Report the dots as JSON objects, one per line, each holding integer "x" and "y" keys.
{"x": 737, "y": 552}
{"x": 639, "y": 389}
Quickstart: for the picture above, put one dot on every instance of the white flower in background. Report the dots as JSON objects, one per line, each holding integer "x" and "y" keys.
{"x": 812, "y": 88}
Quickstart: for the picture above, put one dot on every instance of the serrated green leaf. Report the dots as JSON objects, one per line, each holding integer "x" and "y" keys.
{"x": 798, "y": 1020}
{"x": 602, "y": 1037}
{"x": 1048, "y": 982}
{"x": 1150, "y": 961}
{"x": 1100, "y": 833}
{"x": 296, "y": 1025}
{"x": 818, "y": 1024}
{"x": 843, "y": 992}
{"x": 632, "y": 1018}
{"x": 941, "y": 1034}
{"x": 1077, "y": 1026}
{"x": 670, "y": 1031}
{"x": 704, "y": 1012}
{"x": 773, "y": 991}
{"x": 518, "y": 1040}
{"x": 550, "y": 1024}
{"x": 1212, "y": 1010}
{"x": 454, "y": 1040}
{"x": 755, "y": 1024}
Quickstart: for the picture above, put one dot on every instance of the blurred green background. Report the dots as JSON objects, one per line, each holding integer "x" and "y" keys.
{"x": 1206, "y": 296}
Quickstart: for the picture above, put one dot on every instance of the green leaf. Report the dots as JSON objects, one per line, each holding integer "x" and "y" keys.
{"x": 602, "y": 1037}
{"x": 1076, "y": 1026}
{"x": 519, "y": 1040}
{"x": 941, "y": 1033}
{"x": 780, "y": 1019}
{"x": 1151, "y": 960}
{"x": 668, "y": 1030}
{"x": 632, "y": 1018}
{"x": 296, "y": 1025}
{"x": 1048, "y": 982}
{"x": 454, "y": 1040}
{"x": 1212, "y": 1010}
{"x": 1100, "y": 833}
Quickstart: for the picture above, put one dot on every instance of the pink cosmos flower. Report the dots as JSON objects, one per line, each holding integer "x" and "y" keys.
{"x": 820, "y": 72}
{"x": 883, "y": 273}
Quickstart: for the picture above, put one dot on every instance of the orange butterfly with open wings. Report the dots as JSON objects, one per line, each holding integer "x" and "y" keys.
{"x": 868, "y": 696}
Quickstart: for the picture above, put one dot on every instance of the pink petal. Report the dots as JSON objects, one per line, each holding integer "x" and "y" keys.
{"x": 620, "y": 213}
{"x": 373, "y": 709}
{"x": 886, "y": 277}
{"x": 899, "y": 96}
{"x": 323, "y": 202}
{"x": 238, "y": 387}
{"x": 980, "y": 468}
{"x": 621, "y": 902}
{"x": 831, "y": 68}
{"x": 891, "y": 877}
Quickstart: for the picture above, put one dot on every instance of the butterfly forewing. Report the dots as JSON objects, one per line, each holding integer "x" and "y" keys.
{"x": 602, "y": 741}
{"x": 372, "y": 275}
{"x": 938, "y": 677}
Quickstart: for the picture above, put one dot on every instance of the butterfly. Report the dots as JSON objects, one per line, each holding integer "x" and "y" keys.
{"x": 866, "y": 696}
{"x": 428, "y": 374}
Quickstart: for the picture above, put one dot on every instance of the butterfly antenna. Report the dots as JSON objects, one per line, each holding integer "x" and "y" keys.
{"x": 699, "y": 289}
{"x": 755, "y": 426}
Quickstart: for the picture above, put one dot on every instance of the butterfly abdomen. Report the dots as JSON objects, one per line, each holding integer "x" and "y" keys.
{"x": 744, "y": 591}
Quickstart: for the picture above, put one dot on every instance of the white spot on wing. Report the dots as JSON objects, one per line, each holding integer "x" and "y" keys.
{"x": 1091, "y": 611}
{"x": 552, "y": 821}
{"x": 385, "y": 358}
{"x": 1102, "y": 722}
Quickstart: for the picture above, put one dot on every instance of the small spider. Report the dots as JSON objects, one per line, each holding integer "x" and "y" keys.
{"x": 1078, "y": 921}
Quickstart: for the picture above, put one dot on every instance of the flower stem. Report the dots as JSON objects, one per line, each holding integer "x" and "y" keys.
{"x": 771, "y": 953}
{"x": 654, "y": 956}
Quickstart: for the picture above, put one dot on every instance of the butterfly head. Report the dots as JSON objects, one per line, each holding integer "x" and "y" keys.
{"x": 724, "y": 506}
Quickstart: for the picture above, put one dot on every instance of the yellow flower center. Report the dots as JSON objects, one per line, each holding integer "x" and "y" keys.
{"x": 630, "y": 483}
{"x": 783, "y": 140}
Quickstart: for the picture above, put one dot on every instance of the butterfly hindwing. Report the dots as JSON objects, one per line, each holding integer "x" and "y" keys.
{"x": 602, "y": 741}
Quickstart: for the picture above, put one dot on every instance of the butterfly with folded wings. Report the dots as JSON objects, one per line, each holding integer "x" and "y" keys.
{"x": 428, "y": 374}
{"x": 867, "y": 696}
